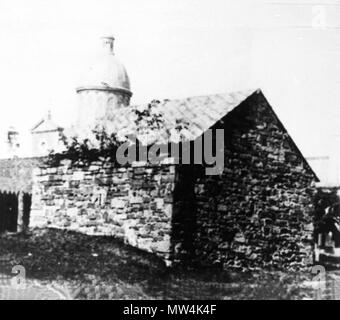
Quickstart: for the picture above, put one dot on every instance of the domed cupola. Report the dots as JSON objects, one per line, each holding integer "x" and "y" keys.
{"x": 104, "y": 87}
{"x": 106, "y": 72}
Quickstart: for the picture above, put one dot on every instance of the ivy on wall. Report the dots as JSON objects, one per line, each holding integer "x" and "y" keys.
{"x": 149, "y": 122}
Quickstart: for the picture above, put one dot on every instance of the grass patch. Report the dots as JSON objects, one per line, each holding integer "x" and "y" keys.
{"x": 105, "y": 268}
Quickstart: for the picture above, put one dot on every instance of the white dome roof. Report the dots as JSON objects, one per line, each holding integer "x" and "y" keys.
{"x": 106, "y": 72}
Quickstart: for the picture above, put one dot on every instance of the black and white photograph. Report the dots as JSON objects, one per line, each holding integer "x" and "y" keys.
{"x": 169, "y": 154}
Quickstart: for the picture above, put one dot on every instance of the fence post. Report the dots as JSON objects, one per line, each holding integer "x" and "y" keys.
{"x": 21, "y": 224}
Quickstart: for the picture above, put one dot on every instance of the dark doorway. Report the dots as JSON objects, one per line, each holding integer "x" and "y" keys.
{"x": 27, "y": 199}
{"x": 8, "y": 212}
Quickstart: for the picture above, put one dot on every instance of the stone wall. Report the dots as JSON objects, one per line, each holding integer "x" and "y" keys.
{"x": 133, "y": 203}
{"x": 16, "y": 174}
{"x": 259, "y": 212}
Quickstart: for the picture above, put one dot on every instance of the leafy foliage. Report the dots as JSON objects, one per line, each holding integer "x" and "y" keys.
{"x": 150, "y": 119}
{"x": 149, "y": 122}
{"x": 324, "y": 199}
{"x": 83, "y": 152}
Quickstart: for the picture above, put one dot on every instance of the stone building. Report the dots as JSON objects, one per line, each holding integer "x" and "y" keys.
{"x": 12, "y": 142}
{"x": 46, "y": 137}
{"x": 254, "y": 212}
{"x": 104, "y": 89}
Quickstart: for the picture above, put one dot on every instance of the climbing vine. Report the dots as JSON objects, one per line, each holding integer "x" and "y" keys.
{"x": 149, "y": 123}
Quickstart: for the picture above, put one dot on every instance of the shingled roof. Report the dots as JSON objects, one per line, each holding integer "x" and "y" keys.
{"x": 46, "y": 125}
{"x": 200, "y": 113}
{"x": 197, "y": 113}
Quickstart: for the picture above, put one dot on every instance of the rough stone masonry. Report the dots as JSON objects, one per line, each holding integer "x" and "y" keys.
{"x": 133, "y": 203}
{"x": 259, "y": 212}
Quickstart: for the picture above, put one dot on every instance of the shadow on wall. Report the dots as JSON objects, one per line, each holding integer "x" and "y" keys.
{"x": 9, "y": 207}
{"x": 183, "y": 222}
{"x": 258, "y": 212}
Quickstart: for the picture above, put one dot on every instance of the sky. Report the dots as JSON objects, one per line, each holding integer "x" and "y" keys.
{"x": 174, "y": 49}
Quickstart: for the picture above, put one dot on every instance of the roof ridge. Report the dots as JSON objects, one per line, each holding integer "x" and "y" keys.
{"x": 38, "y": 124}
{"x": 48, "y": 122}
{"x": 249, "y": 90}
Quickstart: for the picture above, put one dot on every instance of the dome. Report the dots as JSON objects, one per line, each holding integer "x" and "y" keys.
{"x": 106, "y": 72}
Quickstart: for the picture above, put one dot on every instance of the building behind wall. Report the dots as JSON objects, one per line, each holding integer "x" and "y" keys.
{"x": 46, "y": 137}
